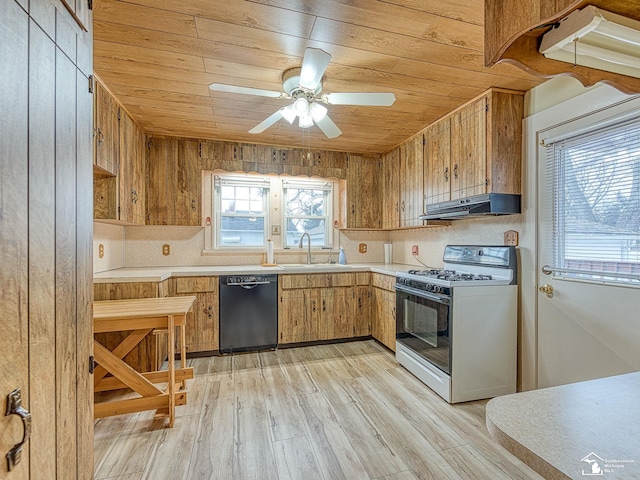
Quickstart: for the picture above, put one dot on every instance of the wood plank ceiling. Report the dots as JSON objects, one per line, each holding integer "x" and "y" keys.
{"x": 158, "y": 58}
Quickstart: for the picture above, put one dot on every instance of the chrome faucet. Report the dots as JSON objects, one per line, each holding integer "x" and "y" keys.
{"x": 308, "y": 246}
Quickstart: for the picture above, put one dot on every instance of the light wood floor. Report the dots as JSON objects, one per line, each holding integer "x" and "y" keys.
{"x": 345, "y": 411}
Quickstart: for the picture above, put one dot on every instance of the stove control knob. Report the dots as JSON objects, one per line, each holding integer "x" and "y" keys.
{"x": 437, "y": 289}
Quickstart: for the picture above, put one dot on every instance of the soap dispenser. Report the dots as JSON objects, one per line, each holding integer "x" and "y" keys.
{"x": 342, "y": 259}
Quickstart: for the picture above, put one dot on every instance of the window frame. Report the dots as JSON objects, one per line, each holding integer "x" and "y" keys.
{"x": 560, "y": 139}
{"x": 314, "y": 184}
{"x": 255, "y": 181}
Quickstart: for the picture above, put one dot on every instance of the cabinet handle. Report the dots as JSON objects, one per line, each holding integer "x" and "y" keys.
{"x": 455, "y": 170}
{"x": 396, "y": 206}
{"x": 324, "y": 306}
{"x": 193, "y": 205}
{"x": 402, "y": 206}
{"x": 313, "y": 306}
{"x": 446, "y": 174}
{"x": 134, "y": 197}
{"x": 14, "y": 407}
{"x": 100, "y": 136}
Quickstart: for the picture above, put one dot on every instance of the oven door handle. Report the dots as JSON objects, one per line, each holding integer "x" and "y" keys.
{"x": 421, "y": 293}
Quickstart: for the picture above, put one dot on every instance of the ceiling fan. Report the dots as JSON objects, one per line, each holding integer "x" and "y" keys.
{"x": 303, "y": 85}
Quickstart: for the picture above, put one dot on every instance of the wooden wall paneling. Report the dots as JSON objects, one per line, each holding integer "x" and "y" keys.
{"x": 14, "y": 296}
{"x": 42, "y": 252}
{"x": 391, "y": 189}
{"x": 84, "y": 275}
{"x": 437, "y": 158}
{"x": 66, "y": 287}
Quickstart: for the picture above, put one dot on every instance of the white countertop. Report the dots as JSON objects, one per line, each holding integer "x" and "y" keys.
{"x": 158, "y": 274}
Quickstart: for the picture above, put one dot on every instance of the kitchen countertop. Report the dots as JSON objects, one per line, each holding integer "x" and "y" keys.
{"x": 158, "y": 274}
{"x": 561, "y": 431}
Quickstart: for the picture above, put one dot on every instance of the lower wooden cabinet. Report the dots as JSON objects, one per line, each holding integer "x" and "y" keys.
{"x": 149, "y": 354}
{"x": 323, "y": 306}
{"x": 202, "y": 330}
{"x": 298, "y": 314}
{"x": 383, "y": 327}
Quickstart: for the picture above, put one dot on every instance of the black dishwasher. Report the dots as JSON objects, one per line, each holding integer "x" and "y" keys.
{"x": 248, "y": 312}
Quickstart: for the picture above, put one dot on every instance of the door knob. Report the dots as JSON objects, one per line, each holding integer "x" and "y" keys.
{"x": 547, "y": 290}
{"x": 14, "y": 407}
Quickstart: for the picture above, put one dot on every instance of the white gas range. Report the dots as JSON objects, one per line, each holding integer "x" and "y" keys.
{"x": 457, "y": 326}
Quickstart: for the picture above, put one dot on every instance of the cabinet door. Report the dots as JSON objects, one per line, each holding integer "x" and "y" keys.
{"x": 107, "y": 134}
{"x": 174, "y": 182}
{"x": 384, "y": 315}
{"x": 469, "y": 150}
{"x": 391, "y": 189}
{"x": 131, "y": 180}
{"x": 437, "y": 166}
{"x": 298, "y": 316}
{"x": 411, "y": 178}
{"x": 336, "y": 313}
{"x": 202, "y": 324}
{"x": 362, "y": 317}
{"x": 363, "y": 192}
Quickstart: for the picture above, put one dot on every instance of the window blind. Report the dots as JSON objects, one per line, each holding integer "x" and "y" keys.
{"x": 595, "y": 177}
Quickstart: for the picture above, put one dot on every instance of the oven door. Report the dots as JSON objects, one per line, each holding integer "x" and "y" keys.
{"x": 423, "y": 324}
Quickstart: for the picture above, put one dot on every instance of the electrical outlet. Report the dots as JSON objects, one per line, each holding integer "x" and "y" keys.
{"x": 362, "y": 248}
{"x": 101, "y": 251}
{"x": 166, "y": 250}
{"x": 414, "y": 250}
{"x": 511, "y": 238}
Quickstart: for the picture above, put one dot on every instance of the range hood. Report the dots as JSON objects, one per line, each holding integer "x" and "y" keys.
{"x": 480, "y": 205}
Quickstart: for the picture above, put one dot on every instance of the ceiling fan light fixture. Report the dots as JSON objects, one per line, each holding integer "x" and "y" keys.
{"x": 301, "y": 105}
{"x": 318, "y": 111}
{"x": 288, "y": 113}
{"x": 305, "y": 120}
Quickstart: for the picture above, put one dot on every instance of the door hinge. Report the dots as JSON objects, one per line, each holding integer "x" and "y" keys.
{"x": 90, "y": 83}
{"x": 486, "y": 182}
{"x": 92, "y": 364}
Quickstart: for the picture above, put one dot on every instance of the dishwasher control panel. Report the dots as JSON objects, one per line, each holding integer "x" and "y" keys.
{"x": 248, "y": 279}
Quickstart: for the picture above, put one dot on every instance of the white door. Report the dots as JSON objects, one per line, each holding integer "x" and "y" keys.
{"x": 585, "y": 330}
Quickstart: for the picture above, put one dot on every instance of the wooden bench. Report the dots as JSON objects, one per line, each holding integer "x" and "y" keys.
{"x": 141, "y": 317}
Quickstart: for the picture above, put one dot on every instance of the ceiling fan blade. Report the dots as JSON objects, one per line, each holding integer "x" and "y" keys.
{"x": 221, "y": 87}
{"x": 360, "y": 98}
{"x": 267, "y": 122}
{"x": 329, "y": 128}
{"x": 314, "y": 63}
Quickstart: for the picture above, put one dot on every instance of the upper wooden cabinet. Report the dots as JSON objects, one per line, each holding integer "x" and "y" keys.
{"x": 118, "y": 193}
{"x": 106, "y": 124}
{"x": 437, "y": 162}
{"x": 363, "y": 192}
{"x": 475, "y": 150}
{"x": 512, "y": 31}
{"x": 174, "y": 182}
{"x": 391, "y": 189}
{"x": 410, "y": 183}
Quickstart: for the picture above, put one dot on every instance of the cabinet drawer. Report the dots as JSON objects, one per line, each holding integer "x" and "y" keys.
{"x": 196, "y": 284}
{"x": 317, "y": 280}
{"x": 387, "y": 282}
